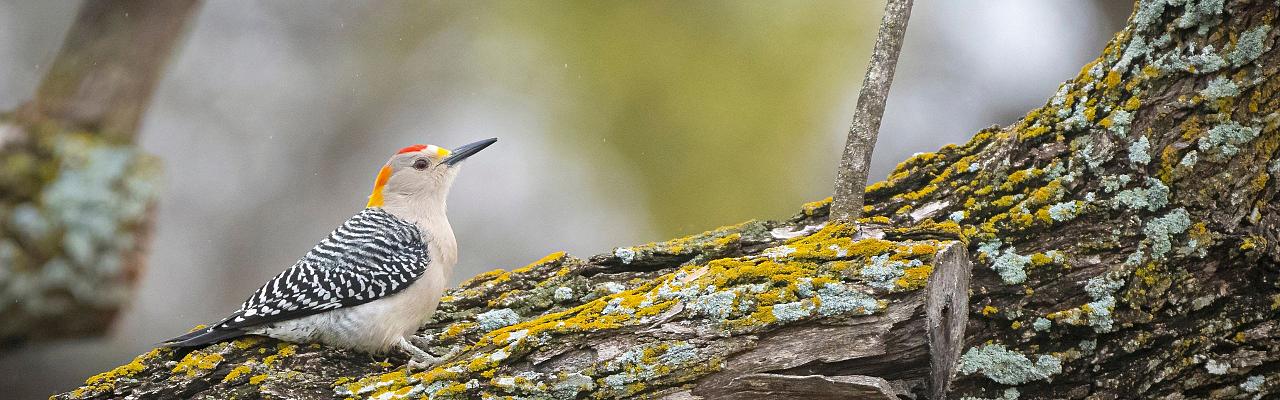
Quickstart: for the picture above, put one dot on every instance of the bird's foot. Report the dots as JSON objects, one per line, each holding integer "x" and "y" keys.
{"x": 419, "y": 359}
{"x": 424, "y": 364}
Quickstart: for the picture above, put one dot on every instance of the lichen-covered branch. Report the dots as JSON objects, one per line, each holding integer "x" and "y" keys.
{"x": 75, "y": 194}
{"x": 1124, "y": 243}
{"x": 699, "y": 316}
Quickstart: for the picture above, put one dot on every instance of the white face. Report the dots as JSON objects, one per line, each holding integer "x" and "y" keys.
{"x": 420, "y": 173}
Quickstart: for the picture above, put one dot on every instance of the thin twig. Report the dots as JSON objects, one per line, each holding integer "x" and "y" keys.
{"x": 851, "y": 177}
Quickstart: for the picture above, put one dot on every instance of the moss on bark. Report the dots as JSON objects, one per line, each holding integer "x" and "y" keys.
{"x": 1125, "y": 239}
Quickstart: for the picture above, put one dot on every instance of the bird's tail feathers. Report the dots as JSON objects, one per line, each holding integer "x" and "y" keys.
{"x": 203, "y": 337}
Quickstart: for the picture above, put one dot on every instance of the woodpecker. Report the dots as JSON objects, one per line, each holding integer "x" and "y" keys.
{"x": 372, "y": 282}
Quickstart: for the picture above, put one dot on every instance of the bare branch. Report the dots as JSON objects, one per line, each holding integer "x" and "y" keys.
{"x": 851, "y": 176}
{"x": 110, "y": 63}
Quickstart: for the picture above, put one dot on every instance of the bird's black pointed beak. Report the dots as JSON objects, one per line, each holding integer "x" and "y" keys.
{"x": 468, "y": 150}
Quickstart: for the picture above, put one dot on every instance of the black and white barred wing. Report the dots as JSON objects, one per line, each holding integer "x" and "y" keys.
{"x": 371, "y": 256}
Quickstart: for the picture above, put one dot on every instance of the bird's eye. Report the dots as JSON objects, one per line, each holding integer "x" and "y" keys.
{"x": 421, "y": 164}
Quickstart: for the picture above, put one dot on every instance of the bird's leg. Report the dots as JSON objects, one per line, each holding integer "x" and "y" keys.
{"x": 419, "y": 359}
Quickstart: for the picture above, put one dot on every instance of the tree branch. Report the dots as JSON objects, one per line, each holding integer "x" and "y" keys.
{"x": 851, "y": 175}
{"x": 1123, "y": 240}
{"x": 75, "y": 193}
{"x": 110, "y": 63}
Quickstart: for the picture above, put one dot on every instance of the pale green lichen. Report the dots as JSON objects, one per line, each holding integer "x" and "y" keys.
{"x": 1011, "y": 394}
{"x": 496, "y": 319}
{"x": 1011, "y": 266}
{"x": 1224, "y": 139}
{"x": 1102, "y": 290}
{"x": 1008, "y": 367}
{"x": 1216, "y": 367}
{"x": 645, "y": 363}
{"x": 1253, "y": 384}
{"x": 563, "y": 294}
{"x": 1095, "y": 157}
{"x": 1140, "y": 151}
{"x": 1111, "y": 183}
{"x": 1190, "y": 159}
{"x": 94, "y": 197}
{"x": 1249, "y": 46}
{"x": 1042, "y": 324}
{"x": 1152, "y": 197}
{"x": 716, "y": 304}
{"x": 614, "y": 306}
{"x": 835, "y": 299}
{"x": 1120, "y": 121}
{"x": 883, "y": 273}
{"x": 1188, "y": 59}
{"x": 1136, "y": 48}
{"x": 1219, "y": 88}
{"x": 1200, "y": 14}
{"x": 1148, "y": 14}
{"x": 571, "y": 385}
{"x": 1160, "y": 231}
{"x": 625, "y": 254}
{"x": 1064, "y": 211}
{"x": 793, "y": 311}
{"x": 613, "y": 287}
{"x": 1088, "y": 345}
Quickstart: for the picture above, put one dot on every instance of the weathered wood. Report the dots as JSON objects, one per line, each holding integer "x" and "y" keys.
{"x": 894, "y": 344}
{"x": 813, "y": 387}
{"x": 1123, "y": 239}
{"x": 946, "y": 315}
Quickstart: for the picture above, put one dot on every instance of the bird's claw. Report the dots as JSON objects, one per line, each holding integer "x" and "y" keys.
{"x": 423, "y": 364}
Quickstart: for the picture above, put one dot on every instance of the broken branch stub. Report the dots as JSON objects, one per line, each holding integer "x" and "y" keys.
{"x": 919, "y": 335}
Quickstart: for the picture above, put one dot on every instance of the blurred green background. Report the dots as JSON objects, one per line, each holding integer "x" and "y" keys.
{"x": 702, "y": 101}
{"x": 619, "y": 123}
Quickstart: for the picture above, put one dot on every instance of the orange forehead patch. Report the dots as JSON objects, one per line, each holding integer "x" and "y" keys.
{"x": 427, "y": 148}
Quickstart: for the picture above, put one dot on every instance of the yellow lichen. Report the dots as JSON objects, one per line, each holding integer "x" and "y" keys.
{"x": 812, "y": 207}
{"x": 236, "y": 372}
{"x": 106, "y": 381}
{"x": 456, "y": 329}
{"x": 1112, "y": 80}
{"x": 194, "y": 362}
{"x": 915, "y": 277}
{"x": 549, "y": 258}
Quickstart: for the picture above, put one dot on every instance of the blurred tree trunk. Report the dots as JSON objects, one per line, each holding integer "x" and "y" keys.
{"x": 1123, "y": 237}
{"x": 75, "y": 193}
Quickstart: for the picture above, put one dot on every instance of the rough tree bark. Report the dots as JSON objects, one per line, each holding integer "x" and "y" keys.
{"x": 75, "y": 193}
{"x": 1123, "y": 240}
{"x": 860, "y": 143}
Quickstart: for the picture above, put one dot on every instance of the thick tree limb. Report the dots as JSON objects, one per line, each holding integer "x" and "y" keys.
{"x": 851, "y": 174}
{"x": 110, "y": 64}
{"x": 1123, "y": 238}
{"x": 75, "y": 194}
